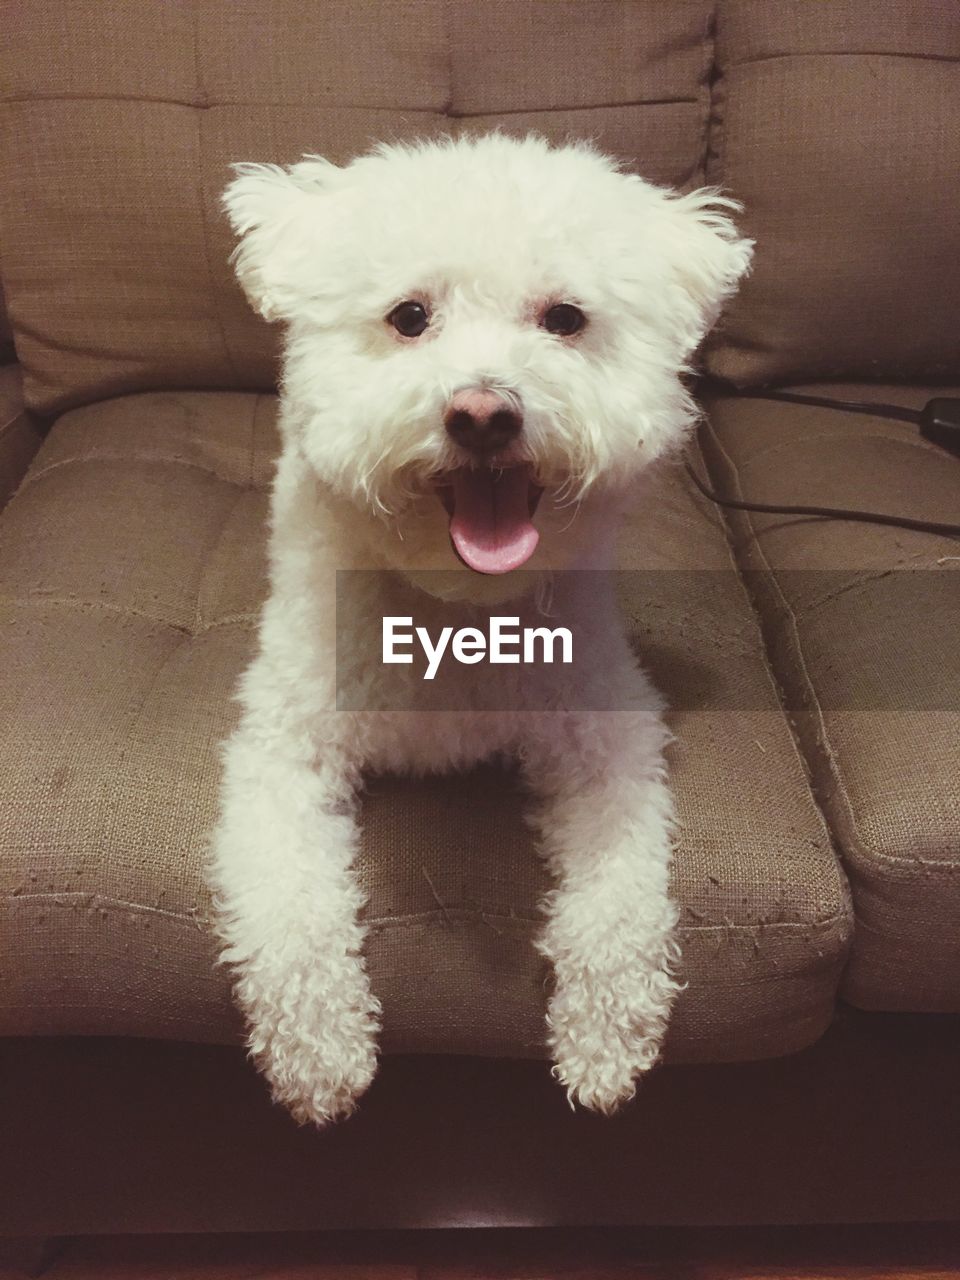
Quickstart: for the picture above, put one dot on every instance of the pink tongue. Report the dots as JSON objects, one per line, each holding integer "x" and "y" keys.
{"x": 490, "y": 525}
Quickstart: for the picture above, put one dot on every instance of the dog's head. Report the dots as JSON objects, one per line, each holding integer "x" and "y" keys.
{"x": 486, "y": 337}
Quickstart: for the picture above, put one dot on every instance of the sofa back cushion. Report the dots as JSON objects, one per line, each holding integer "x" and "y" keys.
{"x": 121, "y": 120}
{"x": 838, "y": 126}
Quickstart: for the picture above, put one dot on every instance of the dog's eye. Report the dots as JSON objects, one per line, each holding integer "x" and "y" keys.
{"x": 409, "y": 319}
{"x": 563, "y": 319}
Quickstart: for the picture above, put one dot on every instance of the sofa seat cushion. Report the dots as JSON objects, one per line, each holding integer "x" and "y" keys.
{"x": 862, "y": 622}
{"x": 132, "y": 571}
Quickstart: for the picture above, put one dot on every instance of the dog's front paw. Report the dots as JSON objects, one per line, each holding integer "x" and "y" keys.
{"x": 606, "y": 1029}
{"x": 313, "y": 1035}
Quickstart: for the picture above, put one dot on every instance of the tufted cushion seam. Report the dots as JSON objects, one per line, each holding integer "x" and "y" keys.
{"x": 743, "y": 928}
{"x": 252, "y": 456}
{"x": 452, "y": 113}
{"x": 97, "y": 900}
{"x": 842, "y": 53}
{"x": 402, "y": 920}
{"x": 164, "y": 459}
{"x": 247, "y": 621}
{"x": 705, "y": 100}
{"x": 587, "y": 106}
{"x": 214, "y": 541}
{"x": 233, "y": 364}
{"x": 852, "y": 584}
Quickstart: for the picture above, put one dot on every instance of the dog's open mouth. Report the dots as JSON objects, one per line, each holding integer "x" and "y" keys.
{"x": 491, "y": 512}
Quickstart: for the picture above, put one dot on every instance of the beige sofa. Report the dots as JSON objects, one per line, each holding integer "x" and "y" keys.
{"x": 812, "y": 1063}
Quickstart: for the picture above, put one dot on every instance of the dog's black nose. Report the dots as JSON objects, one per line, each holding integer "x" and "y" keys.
{"x": 482, "y": 421}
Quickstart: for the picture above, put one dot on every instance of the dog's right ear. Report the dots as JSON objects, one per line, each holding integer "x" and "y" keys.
{"x": 279, "y": 215}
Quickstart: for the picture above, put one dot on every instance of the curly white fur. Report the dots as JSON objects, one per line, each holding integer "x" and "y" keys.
{"x": 486, "y": 232}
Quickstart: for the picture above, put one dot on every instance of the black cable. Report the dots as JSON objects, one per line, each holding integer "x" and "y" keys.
{"x": 834, "y": 513}
{"x": 939, "y": 421}
{"x": 851, "y": 406}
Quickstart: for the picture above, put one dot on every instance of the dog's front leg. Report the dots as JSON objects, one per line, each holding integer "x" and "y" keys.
{"x": 287, "y": 912}
{"x": 604, "y": 818}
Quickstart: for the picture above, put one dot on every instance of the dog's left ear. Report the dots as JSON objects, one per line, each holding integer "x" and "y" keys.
{"x": 705, "y": 257}
{"x": 281, "y": 217}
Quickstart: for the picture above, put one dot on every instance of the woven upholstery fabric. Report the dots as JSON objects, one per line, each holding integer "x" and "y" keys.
{"x": 838, "y": 126}
{"x": 861, "y": 623}
{"x": 115, "y": 151}
{"x": 132, "y": 570}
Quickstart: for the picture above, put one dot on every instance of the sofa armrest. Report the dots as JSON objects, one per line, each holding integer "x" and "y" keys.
{"x": 20, "y": 433}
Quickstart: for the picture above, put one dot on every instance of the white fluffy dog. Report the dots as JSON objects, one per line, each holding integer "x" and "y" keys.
{"x": 485, "y": 339}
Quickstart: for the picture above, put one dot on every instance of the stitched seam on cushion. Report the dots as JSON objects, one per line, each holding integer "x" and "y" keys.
{"x": 451, "y": 94}
{"x": 27, "y": 98}
{"x": 408, "y": 920}
{"x": 942, "y": 867}
{"x": 203, "y": 106}
{"x": 251, "y": 461}
{"x": 453, "y": 912}
{"x": 776, "y": 584}
{"x": 853, "y": 584}
{"x": 232, "y": 363}
{"x": 72, "y": 897}
{"x": 846, "y": 587}
{"x": 233, "y": 619}
{"x": 823, "y": 924}
{"x": 132, "y": 719}
{"x": 842, "y": 880}
{"x": 714, "y": 154}
{"x": 705, "y": 94}
{"x": 135, "y": 457}
{"x": 847, "y": 53}
{"x": 859, "y": 854}
{"x": 592, "y": 106}
{"x": 208, "y": 553}
{"x": 332, "y": 107}
{"x": 7, "y": 425}
{"x": 125, "y": 611}
{"x": 842, "y": 883}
